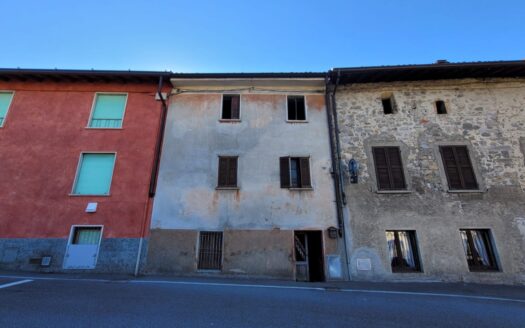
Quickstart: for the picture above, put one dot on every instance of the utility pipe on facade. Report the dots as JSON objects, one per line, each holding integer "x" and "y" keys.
{"x": 154, "y": 169}
{"x": 330, "y": 89}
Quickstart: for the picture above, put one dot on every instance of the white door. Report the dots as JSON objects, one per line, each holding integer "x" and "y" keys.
{"x": 82, "y": 249}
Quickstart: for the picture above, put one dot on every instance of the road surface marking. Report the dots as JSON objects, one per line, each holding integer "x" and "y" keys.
{"x": 330, "y": 289}
{"x": 15, "y": 283}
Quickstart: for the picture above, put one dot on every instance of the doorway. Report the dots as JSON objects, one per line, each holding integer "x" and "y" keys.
{"x": 82, "y": 248}
{"x": 308, "y": 250}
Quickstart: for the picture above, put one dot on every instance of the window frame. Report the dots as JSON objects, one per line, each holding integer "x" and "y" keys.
{"x": 220, "y": 187}
{"x": 199, "y": 249}
{"x": 436, "y": 108}
{"x": 473, "y": 162}
{"x": 489, "y": 244}
{"x": 79, "y": 166}
{"x": 12, "y": 92}
{"x": 299, "y": 157}
{"x": 393, "y": 105}
{"x": 389, "y": 168}
{"x": 305, "y": 109}
{"x": 233, "y": 120}
{"x": 75, "y": 226}
{"x": 416, "y": 254}
{"x": 373, "y": 181}
{"x": 93, "y": 110}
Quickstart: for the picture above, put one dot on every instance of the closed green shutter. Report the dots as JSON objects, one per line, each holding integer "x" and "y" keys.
{"x": 5, "y": 100}
{"x": 94, "y": 174}
{"x": 108, "y": 111}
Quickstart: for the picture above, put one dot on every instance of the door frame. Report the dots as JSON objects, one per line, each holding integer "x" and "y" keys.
{"x": 72, "y": 235}
{"x": 323, "y": 251}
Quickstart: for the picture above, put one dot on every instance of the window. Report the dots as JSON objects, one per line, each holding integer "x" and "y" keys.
{"x": 388, "y": 105}
{"x": 389, "y": 168}
{"x": 295, "y": 172}
{"x": 108, "y": 111}
{"x": 402, "y": 247}
{"x": 478, "y": 249}
{"x": 440, "y": 107}
{"x": 86, "y": 236}
{"x": 94, "y": 174}
{"x": 231, "y": 107}
{"x": 227, "y": 172}
{"x": 458, "y": 168}
{"x": 296, "y": 108}
{"x": 210, "y": 250}
{"x": 5, "y": 101}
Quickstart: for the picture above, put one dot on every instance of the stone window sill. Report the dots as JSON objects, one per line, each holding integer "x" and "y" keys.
{"x": 223, "y": 120}
{"x": 301, "y": 189}
{"x": 227, "y": 188}
{"x": 296, "y": 121}
{"x": 394, "y": 191}
{"x": 86, "y": 195}
{"x": 90, "y": 128}
{"x": 466, "y": 191}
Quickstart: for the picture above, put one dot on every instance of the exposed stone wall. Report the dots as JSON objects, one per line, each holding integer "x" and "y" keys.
{"x": 489, "y": 117}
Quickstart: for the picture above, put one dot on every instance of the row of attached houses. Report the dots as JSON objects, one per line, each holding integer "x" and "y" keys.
{"x": 392, "y": 173}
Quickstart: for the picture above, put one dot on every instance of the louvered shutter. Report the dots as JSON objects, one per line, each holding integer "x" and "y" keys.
{"x": 284, "y": 165}
{"x": 397, "y": 176}
{"x": 458, "y": 167}
{"x": 223, "y": 171}
{"x": 232, "y": 170}
{"x": 465, "y": 168}
{"x": 235, "y": 107}
{"x": 381, "y": 163}
{"x": 304, "y": 170}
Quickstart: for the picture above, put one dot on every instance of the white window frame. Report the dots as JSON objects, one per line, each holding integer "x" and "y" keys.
{"x": 305, "y": 109}
{"x": 79, "y": 165}
{"x": 8, "y": 106}
{"x": 71, "y": 236}
{"x": 93, "y": 104}
{"x": 225, "y": 120}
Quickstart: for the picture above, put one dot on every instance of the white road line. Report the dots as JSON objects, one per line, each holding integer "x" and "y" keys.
{"x": 490, "y": 298}
{"x": 332, "y": 289}
{"x": 15, "y": 283}
{"x": 223, "y": 284}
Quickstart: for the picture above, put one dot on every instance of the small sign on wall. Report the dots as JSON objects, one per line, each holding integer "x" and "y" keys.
{"x": 364, "y": 264}
{"x": 334, "y": 267}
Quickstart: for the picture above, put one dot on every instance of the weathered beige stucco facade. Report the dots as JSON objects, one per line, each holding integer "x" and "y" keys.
{"x": 259, "y": 218}
{"x": 486, "y": 115}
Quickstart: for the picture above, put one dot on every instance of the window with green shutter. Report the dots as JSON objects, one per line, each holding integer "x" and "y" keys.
{"x": 5, "y": 101}
{"x": 94, "y": 174}
{"x": 108, "y": 111}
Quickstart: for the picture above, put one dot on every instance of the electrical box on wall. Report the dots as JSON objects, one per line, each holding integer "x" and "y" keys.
{"x": 91, "y": 207}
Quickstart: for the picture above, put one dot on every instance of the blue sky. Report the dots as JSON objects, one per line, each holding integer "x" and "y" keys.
{"x": 256, "y": 36}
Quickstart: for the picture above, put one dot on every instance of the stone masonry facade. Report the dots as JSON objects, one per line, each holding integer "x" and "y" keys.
{"x": 487, "y": 116}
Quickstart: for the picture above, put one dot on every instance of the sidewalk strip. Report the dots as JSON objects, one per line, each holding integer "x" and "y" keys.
{"x": 15, "y": 283}
{"x": 223, "y": 284}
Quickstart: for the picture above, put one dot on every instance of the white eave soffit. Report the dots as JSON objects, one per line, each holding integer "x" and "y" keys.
{"x": 277, "y": 84}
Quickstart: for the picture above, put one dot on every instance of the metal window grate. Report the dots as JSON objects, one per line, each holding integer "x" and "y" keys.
{"x": 106, "y": 123}
{"x": 210, "y": 251}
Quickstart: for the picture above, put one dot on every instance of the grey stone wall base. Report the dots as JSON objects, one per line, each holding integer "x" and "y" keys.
{"x": 116, "y": 255}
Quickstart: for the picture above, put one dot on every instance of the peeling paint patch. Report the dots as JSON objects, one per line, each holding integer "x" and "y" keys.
{"x": 520, "y": 225}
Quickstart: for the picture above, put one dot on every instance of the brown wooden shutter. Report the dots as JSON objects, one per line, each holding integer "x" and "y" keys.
{"x": 458, "y": 167}
{"x": 397, "y": 177}
{"x": 232, "y": 168}
{"x": 235, "y": 107}
{"x": 223, "y": 172}
{"x": 381, "y": 164}
{"x": 284, "y": 165}
{"x": 304, "y": 164}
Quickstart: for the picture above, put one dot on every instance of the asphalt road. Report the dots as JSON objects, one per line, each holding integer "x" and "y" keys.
{"x": 64, "y": 302}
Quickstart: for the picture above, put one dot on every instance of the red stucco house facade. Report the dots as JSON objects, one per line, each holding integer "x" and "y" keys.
{"x": 55, "y": 151}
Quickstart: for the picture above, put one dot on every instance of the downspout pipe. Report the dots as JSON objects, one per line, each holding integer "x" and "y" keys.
{"x": 154, "y": 170}
{"x": 333, "y": 130}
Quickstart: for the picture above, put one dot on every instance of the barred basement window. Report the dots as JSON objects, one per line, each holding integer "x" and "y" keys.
{"x": 295, "y": 172}
{"x": 296, "y": 108}
{"x": 227, "y": 172}
{"x": 389, "y": 168}
{"x": 440, "y": 107}
{"x": 210, "y": 250}
{"x": 458, "y": 168}
{"x": 478, "y": 249}
{"x": 402, "y": 247}
{"x": 231, "y": 107}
